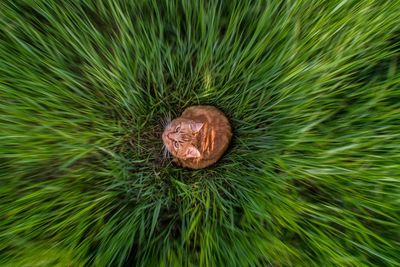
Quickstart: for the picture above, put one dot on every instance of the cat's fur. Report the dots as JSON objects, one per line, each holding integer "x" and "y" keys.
{"x": 199, "y": 137}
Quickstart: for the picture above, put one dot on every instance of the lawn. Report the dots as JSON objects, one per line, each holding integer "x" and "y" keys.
{"x": 312, "y": 89}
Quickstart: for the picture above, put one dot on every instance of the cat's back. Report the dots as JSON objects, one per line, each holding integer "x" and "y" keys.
{"x": 210, "y": 113}
{"x": 217, "y": 132}
{"x": 214, "y": 117}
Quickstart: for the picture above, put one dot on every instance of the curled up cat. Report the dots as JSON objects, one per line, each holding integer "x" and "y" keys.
{"x": 199, "y": 137}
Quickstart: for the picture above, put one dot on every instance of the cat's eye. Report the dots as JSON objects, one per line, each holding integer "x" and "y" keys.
{"x": 176, "y": 145}
{"x": 178, "y": 128}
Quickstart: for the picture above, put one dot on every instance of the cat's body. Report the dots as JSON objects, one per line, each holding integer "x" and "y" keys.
{"x": 199, "y": 137}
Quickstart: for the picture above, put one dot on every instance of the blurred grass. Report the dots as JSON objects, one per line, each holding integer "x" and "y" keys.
{"x": 311, "y": 88}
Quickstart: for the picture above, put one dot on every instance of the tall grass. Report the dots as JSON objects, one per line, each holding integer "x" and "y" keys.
{"x": 312, "y": 89}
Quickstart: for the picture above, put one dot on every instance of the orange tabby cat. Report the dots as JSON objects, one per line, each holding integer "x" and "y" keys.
{"x": 199, "y": 137}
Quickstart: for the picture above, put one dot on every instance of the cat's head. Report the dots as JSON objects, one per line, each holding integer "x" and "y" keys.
{"x": 180, "y": 137}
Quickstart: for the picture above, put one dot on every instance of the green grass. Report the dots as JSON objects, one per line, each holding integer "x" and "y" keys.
{"x": 312, "y": 89}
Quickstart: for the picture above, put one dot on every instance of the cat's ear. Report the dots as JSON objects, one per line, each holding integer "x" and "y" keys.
{"x": 196, "y": 126}
{"x": 192, "y": 152}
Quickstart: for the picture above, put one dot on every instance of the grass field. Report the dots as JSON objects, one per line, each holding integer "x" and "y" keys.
{"x": 312, "y": 89}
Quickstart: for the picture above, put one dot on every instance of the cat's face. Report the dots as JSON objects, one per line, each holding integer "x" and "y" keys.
{"x": 180, "y": 137}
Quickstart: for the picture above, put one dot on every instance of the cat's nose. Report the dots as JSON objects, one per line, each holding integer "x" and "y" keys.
{"x": 173, "y": 136}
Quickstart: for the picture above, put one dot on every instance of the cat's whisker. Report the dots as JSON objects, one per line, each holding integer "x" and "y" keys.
{"x": 168, "y": 119}
{"x": 165, "y": 121}
{"x": 166, "y": 152}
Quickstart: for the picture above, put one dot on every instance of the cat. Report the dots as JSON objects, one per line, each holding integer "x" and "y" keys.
{"x": 199, "y": 137}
